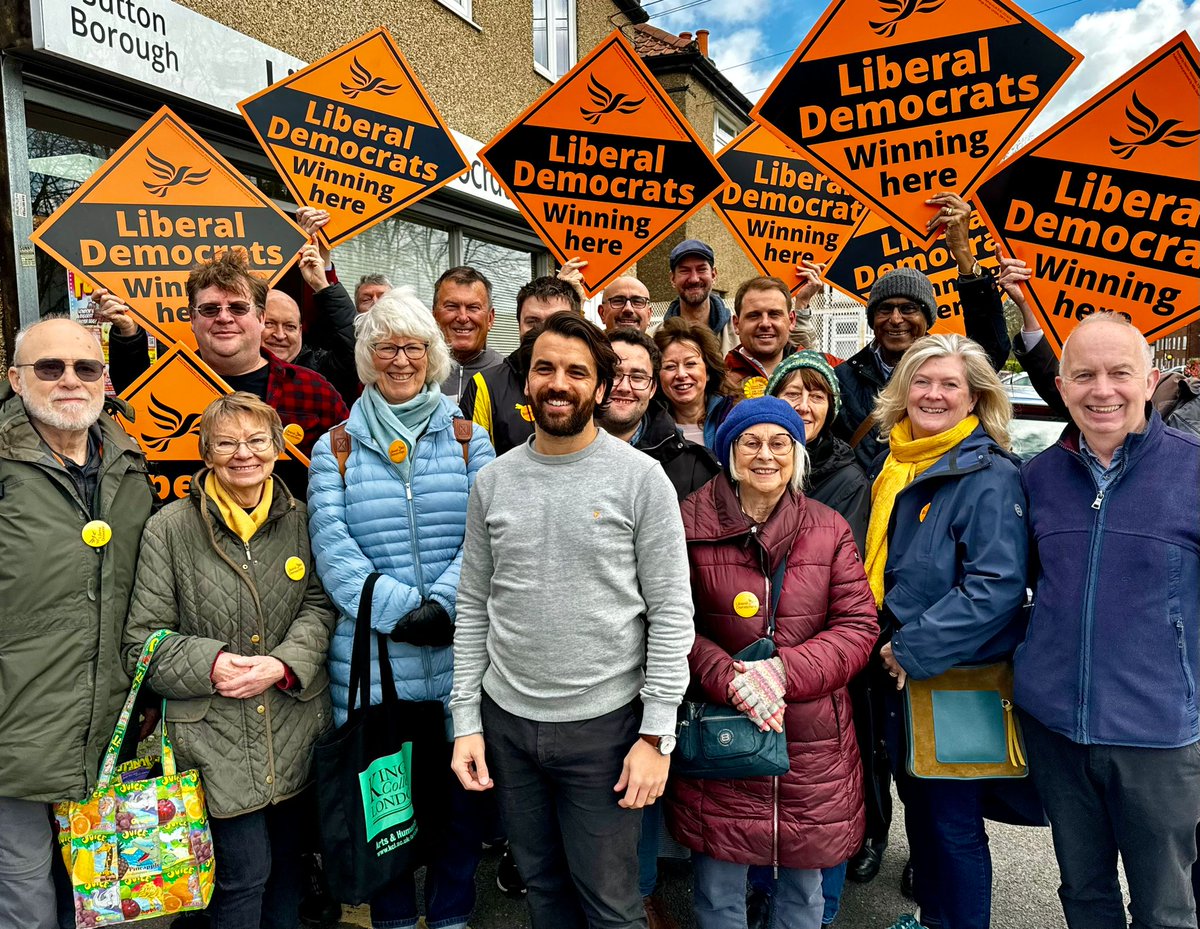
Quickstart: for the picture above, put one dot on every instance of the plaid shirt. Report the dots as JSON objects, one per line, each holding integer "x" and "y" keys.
{"x": 305, "y": 398}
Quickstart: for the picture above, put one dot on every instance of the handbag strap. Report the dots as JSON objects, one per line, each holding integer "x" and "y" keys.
{"x": 109, "y": 764}
{"x": 360, "y": 655}
{"x": 776, "y": 592}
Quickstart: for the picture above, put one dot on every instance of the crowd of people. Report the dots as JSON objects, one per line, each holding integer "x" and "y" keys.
{"x": 562, "y": 545}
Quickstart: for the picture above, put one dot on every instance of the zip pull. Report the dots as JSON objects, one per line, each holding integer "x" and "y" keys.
{"x": 246, "y": 546}
{"x": 1099, "y": 499}
{"x": 408, "y": 490}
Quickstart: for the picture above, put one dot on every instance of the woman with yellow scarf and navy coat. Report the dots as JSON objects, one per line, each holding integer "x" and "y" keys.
{"x": 946, "y": 552}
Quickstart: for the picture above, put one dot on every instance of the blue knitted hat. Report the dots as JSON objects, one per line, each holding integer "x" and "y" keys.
{"x": 754, "y": 413}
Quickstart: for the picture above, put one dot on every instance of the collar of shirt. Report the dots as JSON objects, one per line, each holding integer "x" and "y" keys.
{"x": 1102, "y": 474}
{"x": 885, "y": 368}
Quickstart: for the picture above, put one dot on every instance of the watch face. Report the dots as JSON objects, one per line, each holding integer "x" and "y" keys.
{"x": 666, "y": 744}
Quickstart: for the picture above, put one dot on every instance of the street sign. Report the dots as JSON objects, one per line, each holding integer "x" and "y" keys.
{"x": 1104, "y": 206}
{"x": 355, "y": 134}
{"x": 873, "y": 248}
{"x": 602, "y": 164}
{"x": 780, "y": 208}
{"x": 901, "y": 99}
{"x": 164, "y": 201}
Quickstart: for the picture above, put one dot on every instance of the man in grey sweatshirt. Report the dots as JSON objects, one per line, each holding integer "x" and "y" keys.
{"x": 573, "y": 630}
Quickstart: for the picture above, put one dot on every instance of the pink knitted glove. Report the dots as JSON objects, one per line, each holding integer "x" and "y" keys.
{"x": 758, "y": 690}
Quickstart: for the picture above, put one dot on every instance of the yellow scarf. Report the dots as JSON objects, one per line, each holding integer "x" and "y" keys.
{"x": 909, "y": 457}
{"x": 243, "y": 523}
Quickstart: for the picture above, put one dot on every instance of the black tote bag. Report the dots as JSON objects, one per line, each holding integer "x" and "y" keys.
{"x": 381, "y": 776}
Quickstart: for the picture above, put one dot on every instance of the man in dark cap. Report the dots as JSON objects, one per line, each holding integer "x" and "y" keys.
{"x": 693, "y": 272}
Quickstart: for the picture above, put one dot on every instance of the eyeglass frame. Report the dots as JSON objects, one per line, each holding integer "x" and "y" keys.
{"x": 217, "y": 452}
{"x": 910, "y": 310}
{"x": 423, "y": 346}
{"x": 216, "y": 308}
{"x": 65, "y": 364}
{"x": 627, "y": 301}
{"x": 619, "y": 376}
{"x": 759, "y": 444}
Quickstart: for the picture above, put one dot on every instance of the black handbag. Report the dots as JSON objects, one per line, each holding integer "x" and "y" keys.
{"x": 713, "y": 740}
{"x": 380, "y": 777}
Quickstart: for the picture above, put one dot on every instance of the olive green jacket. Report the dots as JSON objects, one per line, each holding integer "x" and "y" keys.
{"x": 195, "y": 576}
{"x": 62, "y": 606}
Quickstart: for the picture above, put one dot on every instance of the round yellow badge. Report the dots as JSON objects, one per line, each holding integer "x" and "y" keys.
{"x": 398, "y": 451}
{"x": 754, "y": 387}
{"x": 97, "y": 533}
{"x": 526, "y": 412}
{"x": 294, "y": 568}
{"x": 745, "y": 604}
{"x": 293, "y": 432}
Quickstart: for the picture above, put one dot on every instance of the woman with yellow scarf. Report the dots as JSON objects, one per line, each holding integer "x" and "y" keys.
{"x": 946, "y": 550}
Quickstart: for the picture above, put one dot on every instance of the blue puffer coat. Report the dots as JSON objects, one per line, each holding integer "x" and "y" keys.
{"x": 957, "y": 546}
{"x": 411, "y": 533}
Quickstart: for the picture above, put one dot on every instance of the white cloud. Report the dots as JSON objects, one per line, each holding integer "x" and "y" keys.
{"x": 1112, "y": 42}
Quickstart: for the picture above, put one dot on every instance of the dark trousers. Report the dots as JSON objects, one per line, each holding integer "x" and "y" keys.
{"x": 1142, "y": 804}
{"x": 575, "y": 847}
{"x": 952, "y": 865}
{"x": 869, "y": 707}
{"x": 258, "y": 867}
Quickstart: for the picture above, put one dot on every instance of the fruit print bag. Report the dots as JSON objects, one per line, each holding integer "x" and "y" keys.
{"x": 138, "y": 847}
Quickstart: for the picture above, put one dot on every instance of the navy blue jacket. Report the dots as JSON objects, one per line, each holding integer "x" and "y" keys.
{"x": 957, "y": 550}
{"x": 1111, "y": 655}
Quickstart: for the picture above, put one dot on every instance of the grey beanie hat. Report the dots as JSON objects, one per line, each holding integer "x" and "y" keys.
{"x": 904, "y": 282}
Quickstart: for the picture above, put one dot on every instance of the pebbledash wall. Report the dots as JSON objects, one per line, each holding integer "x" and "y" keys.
{"x": 79, "y": 76}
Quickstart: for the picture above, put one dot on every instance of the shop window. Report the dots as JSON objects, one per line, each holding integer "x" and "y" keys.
{"x": 509, "y": 269}
{"x": 553, "y": 37}
{"x": 408, "y": 254}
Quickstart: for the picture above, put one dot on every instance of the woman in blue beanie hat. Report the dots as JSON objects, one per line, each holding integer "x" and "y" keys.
{"x": 768, "y": 562}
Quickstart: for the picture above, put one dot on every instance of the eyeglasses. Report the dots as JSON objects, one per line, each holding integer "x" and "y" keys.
{"x": 414, "y": 351}
{"x": 256, "y": 445}
{"x": 638, "y": 303}
{"x": 637, "y": 380}
{"x": 51, "y": 369}
{"x": 907, "y": 310}
{"x": 778, "y": 444}
{"x": 213, "y": 310}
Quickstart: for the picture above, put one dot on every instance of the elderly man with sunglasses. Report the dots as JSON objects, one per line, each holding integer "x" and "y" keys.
{"x": 74, "y": 495}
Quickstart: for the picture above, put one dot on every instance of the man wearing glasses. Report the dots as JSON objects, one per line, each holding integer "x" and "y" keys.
{"x": 74, "y": 494}
{"x": 625, "y": 303}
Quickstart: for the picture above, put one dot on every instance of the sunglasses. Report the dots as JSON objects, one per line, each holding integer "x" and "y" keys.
{"x": 51, "y": 369}
{"x": 213, "y": 310}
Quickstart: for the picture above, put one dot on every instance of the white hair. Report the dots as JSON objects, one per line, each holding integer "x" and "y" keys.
{"x": 399, "y": 313}
{"x": 799, "y": 464}
{"x": 1119, "y": 319}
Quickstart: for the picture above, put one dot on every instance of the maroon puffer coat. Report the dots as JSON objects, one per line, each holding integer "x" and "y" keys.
{"x": 812, "y": 817}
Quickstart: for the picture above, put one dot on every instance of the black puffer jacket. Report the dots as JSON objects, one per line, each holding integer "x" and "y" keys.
{"x": 836, "y": 479}
{"x": 687, "y": 465}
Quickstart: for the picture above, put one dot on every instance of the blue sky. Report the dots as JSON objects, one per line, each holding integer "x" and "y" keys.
{"x": 750, "y": 40}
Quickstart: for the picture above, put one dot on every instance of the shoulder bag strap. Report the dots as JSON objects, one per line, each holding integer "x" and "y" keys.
{"x": 109, "y": 763}
{"x": 360, "y": 654}
{"x": 339, "y": 442}
{"x": 863, "y": 428}
{"x": 776, "y": 592}
{"x": 463, "y": 428}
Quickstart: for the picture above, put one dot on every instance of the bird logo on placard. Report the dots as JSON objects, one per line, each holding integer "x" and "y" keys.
{"x": 1148, "y": 129}
{"x": 607, "y": 102}
{"x": 901, "y": 10}
{"x": 169, "y": 176}
{"x": 364, "y": 83}
{"x": 175, "y": 424}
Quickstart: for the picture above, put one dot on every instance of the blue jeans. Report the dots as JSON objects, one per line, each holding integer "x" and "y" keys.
{"x": 450, "y": 875}
{"x": 952, "y": 865}
{"x": 258, "y": 867}
{"x": 720, "y": 896}
{"x": 833, "y": 880}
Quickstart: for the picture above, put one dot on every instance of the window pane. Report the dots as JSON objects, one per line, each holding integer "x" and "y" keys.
{"x": 562, "y": 37}
{"x": 408, "y": 253}
{"x": 541, "y": 48}
{"x": 509, "y": 269}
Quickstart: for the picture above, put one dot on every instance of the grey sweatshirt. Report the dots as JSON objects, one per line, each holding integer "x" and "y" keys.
{"x": 575, "y": 594}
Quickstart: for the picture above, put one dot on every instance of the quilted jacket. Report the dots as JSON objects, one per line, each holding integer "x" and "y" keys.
{"x": 409, "y": 532}
{"x": 812, "y": 817}
{"x": 62, "y": 607}
{"x": 198, "y": 578}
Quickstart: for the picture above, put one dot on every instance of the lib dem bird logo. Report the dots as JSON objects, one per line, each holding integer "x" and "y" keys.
{"x": 901, "y": 10}
{"x": 1147, "y": 129}
{"x": 607, "y": 102}
{"x": 175, "y": 424}
{"x": 364, "y": 83}
{"x": 169, "y": 176}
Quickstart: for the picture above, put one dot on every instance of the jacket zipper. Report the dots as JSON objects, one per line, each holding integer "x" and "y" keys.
{"x": 775, "y": 825}
{"x": 774, "y": 780}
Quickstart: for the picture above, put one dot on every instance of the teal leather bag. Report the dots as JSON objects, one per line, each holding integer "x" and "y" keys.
{"x": 716, "y": 741}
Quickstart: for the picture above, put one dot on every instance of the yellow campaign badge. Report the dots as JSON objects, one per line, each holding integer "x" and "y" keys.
{"x": 924, "y": 512}
{"x": 294, "y": 568}
{"x": 97, "y": 533}
{"x": 745, "y": 604}
{"x": 294, "y": 433}
{"x": 398, "y": 451}
{"x": 526, "y": 412}
{"x": 754, "y": 387}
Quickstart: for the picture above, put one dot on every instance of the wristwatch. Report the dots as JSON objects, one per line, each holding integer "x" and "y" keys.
{"x": 664, "y": 743}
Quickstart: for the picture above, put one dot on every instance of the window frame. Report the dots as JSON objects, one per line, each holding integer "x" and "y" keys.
{"x": 548, "y": 70}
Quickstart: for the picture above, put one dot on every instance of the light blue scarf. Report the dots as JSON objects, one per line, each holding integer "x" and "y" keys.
{"x": 390, "y": 423}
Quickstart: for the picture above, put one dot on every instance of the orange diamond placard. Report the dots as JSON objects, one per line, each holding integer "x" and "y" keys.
{"x": 603, "y": 165}
{"x": 874, "y": 248}
{"x": 355, "y": 134}
{"x": 164, "y": 201}
{"x": 780, "y": 208}
{"x": 1104, "y": 206}
{"x": 901, "y": 99}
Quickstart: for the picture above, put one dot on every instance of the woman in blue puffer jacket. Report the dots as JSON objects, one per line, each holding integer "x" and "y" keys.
{"x": 400, "y": 510}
